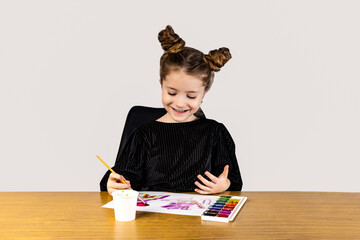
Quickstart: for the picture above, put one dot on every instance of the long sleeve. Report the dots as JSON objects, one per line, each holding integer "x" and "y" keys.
{"x": 131, "y": 162}
{"x": 162, "y": 156}
{"x": 224, "y": 153}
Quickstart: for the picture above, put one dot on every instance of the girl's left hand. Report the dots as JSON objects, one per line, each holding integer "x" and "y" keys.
{"x": 217, "y": 184}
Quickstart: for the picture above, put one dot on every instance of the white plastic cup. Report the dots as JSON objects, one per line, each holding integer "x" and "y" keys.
{"x": 125, "y": 204}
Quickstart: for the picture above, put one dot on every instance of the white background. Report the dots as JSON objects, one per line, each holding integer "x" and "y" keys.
{"x": 290, "y": 96}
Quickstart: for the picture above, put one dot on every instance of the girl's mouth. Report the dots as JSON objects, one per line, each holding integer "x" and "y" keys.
{"x": 179, "y": 111}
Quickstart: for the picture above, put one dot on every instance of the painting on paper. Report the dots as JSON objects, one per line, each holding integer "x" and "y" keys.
{"x": 173, "y": 203}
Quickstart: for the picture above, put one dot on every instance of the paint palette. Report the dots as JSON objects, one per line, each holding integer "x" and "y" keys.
{"x": 224, "y": 209}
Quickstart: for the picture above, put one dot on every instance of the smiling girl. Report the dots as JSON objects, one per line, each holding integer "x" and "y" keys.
{"x": 180, "y": 152}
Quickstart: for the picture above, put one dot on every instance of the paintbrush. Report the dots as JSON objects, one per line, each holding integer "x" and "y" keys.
{"x": 146, "y": 204}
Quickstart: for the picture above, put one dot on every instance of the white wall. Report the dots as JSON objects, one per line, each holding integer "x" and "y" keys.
{"x": 70, "y": 71}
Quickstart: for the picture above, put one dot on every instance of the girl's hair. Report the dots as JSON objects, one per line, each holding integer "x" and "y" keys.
{"x": 191, "y": 61}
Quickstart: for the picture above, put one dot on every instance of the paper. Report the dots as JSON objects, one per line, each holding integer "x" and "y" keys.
{"x": 173, "y": 203}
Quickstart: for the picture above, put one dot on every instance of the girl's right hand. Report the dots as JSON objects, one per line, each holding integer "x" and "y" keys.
{"x": 114, "y": 183}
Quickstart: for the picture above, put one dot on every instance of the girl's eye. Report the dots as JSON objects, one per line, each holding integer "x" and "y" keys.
{"x": 172, "y": 94}
{"x": 191, "y": 97}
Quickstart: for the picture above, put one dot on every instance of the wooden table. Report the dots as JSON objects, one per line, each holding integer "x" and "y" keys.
{"x": 265, "y": 215}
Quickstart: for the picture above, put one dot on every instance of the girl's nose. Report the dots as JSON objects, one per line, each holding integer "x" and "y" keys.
{"x": 180, "y": 103}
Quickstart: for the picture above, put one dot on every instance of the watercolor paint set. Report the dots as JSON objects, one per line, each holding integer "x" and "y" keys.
{"x": 224, "y": 209}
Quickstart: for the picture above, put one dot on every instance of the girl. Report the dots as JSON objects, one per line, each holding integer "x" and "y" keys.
{"x": 172, "y": 152}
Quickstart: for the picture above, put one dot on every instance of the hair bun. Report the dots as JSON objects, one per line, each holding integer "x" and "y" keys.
{"x": 170, "y": 41}
{"x": 217, "y": 58}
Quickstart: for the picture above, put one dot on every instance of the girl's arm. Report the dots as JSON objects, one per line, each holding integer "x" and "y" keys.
{"x": 129, "y": 165}
{"x": 225, "y": 173}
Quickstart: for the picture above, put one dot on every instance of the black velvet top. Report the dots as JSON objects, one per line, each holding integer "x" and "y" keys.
{"x": 168, "y": 156}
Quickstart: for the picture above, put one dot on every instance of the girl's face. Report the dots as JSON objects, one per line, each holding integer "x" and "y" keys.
{"x": 181, "y": 96}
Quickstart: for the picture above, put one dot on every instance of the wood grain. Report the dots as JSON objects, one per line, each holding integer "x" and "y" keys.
{"x": 265, "y": 215}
